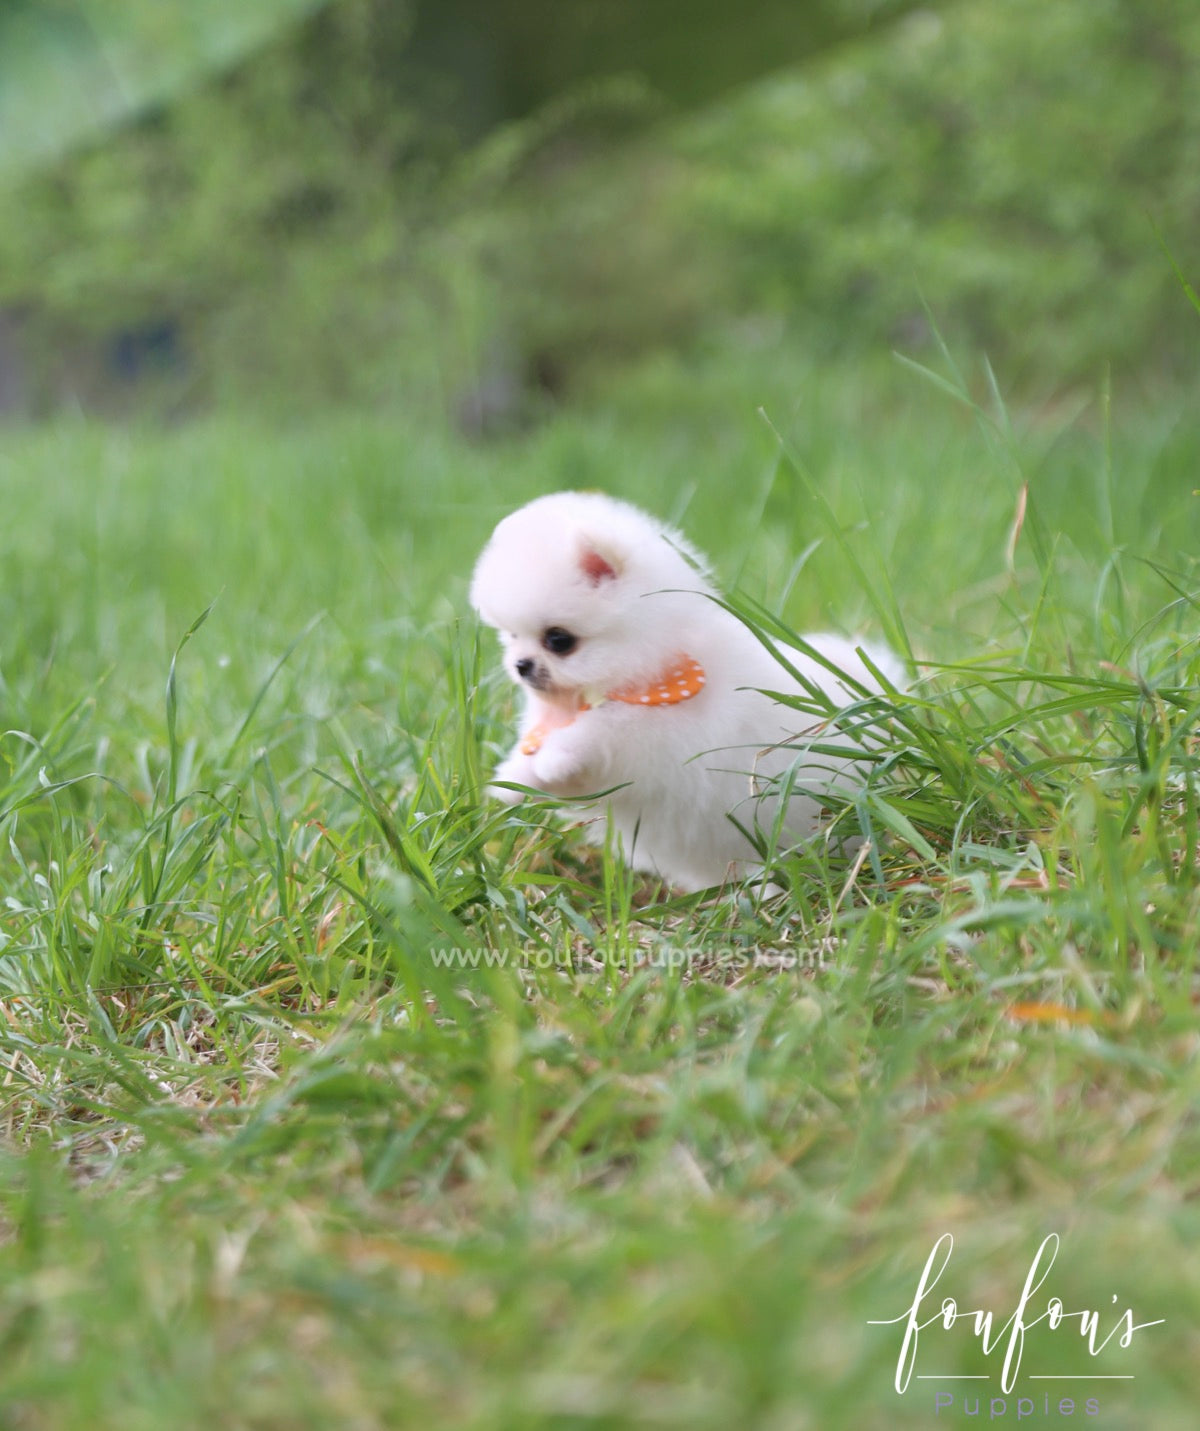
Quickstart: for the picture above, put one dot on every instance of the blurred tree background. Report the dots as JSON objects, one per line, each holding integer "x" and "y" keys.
{"x": 496, "y": 205}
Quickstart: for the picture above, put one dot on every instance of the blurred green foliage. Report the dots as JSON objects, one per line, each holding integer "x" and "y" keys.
{"x": 315, "y": 232}
{"x": 1010, "y": 162}
{"x": 517, "y": 55}
{"x": 72, "y": 68}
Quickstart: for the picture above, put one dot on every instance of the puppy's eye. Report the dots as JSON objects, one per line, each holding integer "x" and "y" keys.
{"x": 558, "y": 642}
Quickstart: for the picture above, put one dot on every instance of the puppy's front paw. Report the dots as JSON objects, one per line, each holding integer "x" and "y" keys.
{"x": 560, "y": 767}
{"x": 518, "y": 769}
{"x": 556, "y": 772}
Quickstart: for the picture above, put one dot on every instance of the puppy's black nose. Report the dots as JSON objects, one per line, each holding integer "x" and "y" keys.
{"x": 525, "y": 667}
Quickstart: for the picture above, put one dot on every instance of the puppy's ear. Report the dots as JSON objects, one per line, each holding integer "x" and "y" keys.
{"x": 597, "y": 565}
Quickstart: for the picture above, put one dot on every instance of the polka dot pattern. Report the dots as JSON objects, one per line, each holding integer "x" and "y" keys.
{"x": 682, "y": 680}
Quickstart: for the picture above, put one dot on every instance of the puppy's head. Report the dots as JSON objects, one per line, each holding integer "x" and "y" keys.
{"x": 587, "y": 594}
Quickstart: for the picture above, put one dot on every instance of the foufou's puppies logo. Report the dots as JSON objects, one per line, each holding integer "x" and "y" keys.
{"x": 1097, "y": 1329}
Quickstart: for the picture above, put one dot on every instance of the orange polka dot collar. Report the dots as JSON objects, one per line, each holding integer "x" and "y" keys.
{"x": 683, "y": 679}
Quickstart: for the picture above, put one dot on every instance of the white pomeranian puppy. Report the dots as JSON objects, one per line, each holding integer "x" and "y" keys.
{"x": 638, "y": 682}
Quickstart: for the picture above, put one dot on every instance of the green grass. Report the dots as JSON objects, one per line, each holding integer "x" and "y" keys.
{"x": 270, "y": 1162}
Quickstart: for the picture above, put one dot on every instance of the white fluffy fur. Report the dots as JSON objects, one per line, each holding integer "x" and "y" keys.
{"x": 636, "y": 595}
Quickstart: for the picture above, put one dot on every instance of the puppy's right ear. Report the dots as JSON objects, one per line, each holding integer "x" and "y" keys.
{"x": 596, "y": 565}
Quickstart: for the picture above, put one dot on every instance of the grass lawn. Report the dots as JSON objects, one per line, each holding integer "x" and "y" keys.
{"x": 275, "y": 1156}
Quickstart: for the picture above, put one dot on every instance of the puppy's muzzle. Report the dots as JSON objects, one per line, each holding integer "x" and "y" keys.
{"x": 532, "y": 673}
